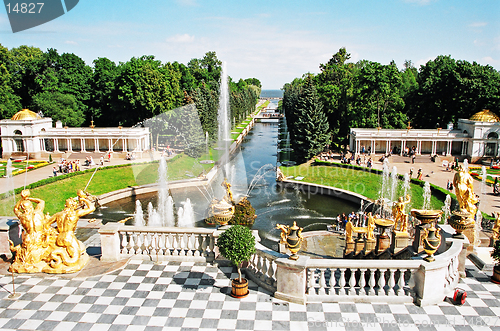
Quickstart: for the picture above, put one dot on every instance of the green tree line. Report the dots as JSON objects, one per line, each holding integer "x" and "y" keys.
{"x": 368, "y": 94}
{"x": 64, "y": 87}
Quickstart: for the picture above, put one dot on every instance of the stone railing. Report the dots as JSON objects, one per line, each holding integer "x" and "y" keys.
{"x": 262, "y": 267}
{"x": 157, "y": 243}
{"x": 303, "y": 280}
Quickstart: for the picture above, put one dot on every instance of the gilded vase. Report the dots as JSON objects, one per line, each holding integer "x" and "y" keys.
{"x": 431, "y": 241}
{"x": 294, "y": 240}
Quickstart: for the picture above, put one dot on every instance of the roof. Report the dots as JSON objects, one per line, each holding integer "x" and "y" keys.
{"x": 485, "y": 116}
{"x": 24, "y": 115}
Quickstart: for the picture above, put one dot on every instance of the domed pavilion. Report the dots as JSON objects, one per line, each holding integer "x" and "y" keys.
{"x": 476, "y": 138}
{"x": 31, "y": 134}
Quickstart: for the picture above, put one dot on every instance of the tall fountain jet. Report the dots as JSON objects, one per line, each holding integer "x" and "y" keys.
{"x": 223, "y": 120}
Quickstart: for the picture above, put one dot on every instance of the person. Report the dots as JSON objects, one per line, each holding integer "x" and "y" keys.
{"x": 101, "y": 160}
{"x": 496, "y": 189}
{"x": 419, "y": 174}
{"x": 411, "y": 172}
{"x": 413, "y": 158}
{"x": 54, "y": 171}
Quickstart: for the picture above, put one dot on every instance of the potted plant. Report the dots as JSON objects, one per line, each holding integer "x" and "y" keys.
{"x": 237, "y": 244}
{"x": 495, "y": 254}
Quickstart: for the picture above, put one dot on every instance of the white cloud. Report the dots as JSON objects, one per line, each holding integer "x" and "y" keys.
{"x": 478, "y": 24}
{"x": 181, "y": 38}
{"x": 71, "y": 42}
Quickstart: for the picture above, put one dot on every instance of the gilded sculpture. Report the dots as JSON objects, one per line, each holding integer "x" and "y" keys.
{"x": 398, "y": 213}
{"x": 50, "y": 249}
{"x": 496, "y": 227}
{"x": 464, "y": 191}
{"x": 368, "y": 230}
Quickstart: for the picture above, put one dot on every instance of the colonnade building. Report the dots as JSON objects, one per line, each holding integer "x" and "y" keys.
{"x": 475, "y": 138}
{"x": 30, "y": 134}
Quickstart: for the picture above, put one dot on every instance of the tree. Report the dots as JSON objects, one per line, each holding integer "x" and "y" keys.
{"x": 377, "y": 95}
{"x": 311, "y": 133}
{"x": 9, "y": 102}
{"x": 449, "y": 90}
{"x": 335, "y": 88}
{"x": 60, "y": 107}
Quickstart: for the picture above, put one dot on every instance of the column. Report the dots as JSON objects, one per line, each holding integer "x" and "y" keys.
{"x": 434, "y": 147}
{"x": 82, "y": 144}
{"x": 387, "y": 146}
{"x": 448, "y": 150}
{"x": 464, "y": 149}
{"x": 110, "y": 145}
{"x": 402, "y": 147}
{"x": 56, "y": 145}
{"x": 373, "y": 147}
{"x": 96, "y": 145}
{"x": 139, "y": 145}
{"x": 70, "y": 148}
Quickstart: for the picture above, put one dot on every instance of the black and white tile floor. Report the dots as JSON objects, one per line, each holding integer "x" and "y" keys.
{"x": 194, "y": 296}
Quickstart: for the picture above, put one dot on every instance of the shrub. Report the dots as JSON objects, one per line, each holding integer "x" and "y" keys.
{"x": 237, "y": 244}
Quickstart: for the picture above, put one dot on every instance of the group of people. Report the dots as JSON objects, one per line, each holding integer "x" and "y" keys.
{"x": 66, "y": 166}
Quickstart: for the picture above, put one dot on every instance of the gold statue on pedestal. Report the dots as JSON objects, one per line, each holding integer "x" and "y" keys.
{"x": 496, "y": 227}
{"x": 464, "y": 190}
{"x": 398, "y": 213}
{"x": 45, "y": 248}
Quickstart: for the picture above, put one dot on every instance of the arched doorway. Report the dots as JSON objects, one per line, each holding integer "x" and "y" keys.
{"x": 491, "y": 145}
{"x": 19, "y": 143}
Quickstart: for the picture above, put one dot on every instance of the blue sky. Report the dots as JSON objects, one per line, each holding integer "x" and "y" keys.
{"x": 274, "y": 41}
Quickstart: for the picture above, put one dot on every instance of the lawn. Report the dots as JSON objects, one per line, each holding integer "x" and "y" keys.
{"x": 362, "y": 182}
{"x": 108, "y": 180}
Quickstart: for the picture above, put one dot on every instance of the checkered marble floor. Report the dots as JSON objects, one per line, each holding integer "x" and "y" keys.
{"x": 194, "y": 296}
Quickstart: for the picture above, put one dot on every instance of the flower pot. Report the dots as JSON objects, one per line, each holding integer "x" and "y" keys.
{"x": 495, "y": 278}
{"x": 239, "y": 290}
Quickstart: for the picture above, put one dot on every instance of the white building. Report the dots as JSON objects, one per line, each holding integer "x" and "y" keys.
{"x": 476, "y": 138}
{"x": 26, "y": 133}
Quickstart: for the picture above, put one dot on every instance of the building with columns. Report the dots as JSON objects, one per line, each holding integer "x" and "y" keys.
{"x": 27, "y": 133}
{"x": 475, "y": 138}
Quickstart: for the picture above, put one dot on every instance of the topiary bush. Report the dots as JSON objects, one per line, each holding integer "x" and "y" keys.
{"x": 495, "y": 253}
{"x": 237, "y": 244}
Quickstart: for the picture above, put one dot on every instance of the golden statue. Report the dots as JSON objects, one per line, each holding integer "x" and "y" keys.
{"x": 229, "y": 194}
{"x": 496, "y": 227}
{"x": 464, "y": 191}
{"x": 45, "y": 248}
{"x": 398, "y": 213}
{"x": 368, "y": 230}
{"x": 69, "y": 254}
{"x": 37, "y": 236}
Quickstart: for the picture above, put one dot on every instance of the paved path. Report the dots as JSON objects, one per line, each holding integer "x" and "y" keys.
{"x": 186, "y": 296}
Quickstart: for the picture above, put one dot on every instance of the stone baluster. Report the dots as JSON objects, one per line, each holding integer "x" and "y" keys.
{"x": 342, "y": 281}
{"x": 352, "y": 282}
{"x": 182, "y": 244}
{"x": 263, "y": 272}
{"x": 161, "y": 244}
{"x": 146, "y": 247}
{"x": 311, "y": 281}
{"x": 392, "y": 282}
{"x": 189, "y": 244}
{"x": 124, "y": 243}
{"x": 153, "y": 237}
{"x": 131, "y": 243}
{"x": 138, "y": 244}
{"x": 381, "y": 283}
{"x": 362, "y": 282}
{"x": 175, "y": 244}
{"x": 371, "y": 282}
{"x": 332, "y": 282}
{"x": 259, "y": 263}
{"x": 270, "y": 273}
{"x": 322, "y": 282}
{"x": 168, "y": 243}
{"x": 204, "y": 245}
{"x": 401, "y": 283}
{"x": 197, "y": 245}
{"x": 211, "y": 247}
{"x": 411, "y": 281}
